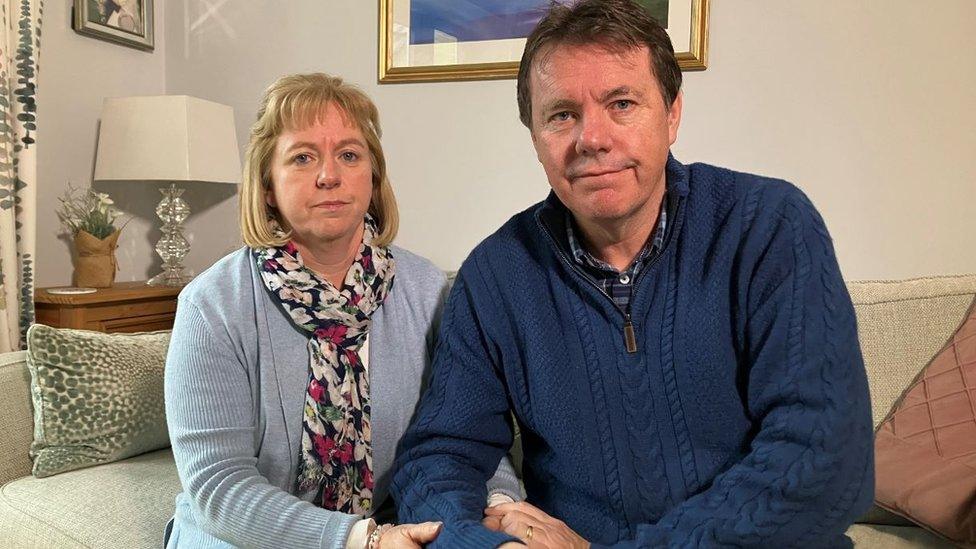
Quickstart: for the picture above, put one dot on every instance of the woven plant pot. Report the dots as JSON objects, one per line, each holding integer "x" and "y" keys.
{"x": 95, "y": 263}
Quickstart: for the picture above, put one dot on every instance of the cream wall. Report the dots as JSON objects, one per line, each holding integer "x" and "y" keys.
{"x": 75, "y": 74}
{"x": 867, "y": 106}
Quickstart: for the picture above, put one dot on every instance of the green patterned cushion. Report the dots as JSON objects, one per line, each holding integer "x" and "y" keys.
{"x": 97, "y": 397}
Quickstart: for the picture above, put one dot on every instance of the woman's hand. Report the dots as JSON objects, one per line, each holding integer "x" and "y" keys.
{"x": 408, "y": 536}
{"x": 534, "y": 527}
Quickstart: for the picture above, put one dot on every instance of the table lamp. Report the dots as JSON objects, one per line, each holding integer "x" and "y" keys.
{"x": 171, "y": 138}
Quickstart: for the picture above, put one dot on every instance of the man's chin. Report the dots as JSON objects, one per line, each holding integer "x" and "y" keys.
{"x": 602, "y": 214}
{"x": 606, "y": 204}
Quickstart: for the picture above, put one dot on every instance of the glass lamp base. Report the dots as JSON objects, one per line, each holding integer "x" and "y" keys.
{"x": 172, "y": 246}
{"x": 171, "y": 277}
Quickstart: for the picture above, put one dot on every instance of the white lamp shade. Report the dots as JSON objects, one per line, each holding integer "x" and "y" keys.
{"x": 167, "y": 138}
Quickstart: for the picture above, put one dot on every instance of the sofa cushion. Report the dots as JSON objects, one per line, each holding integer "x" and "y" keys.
{"x": 925, "y": 452}
{"x": 869, "y": 536}
{"x": 901, "y": 325}
{"x": 120, "y": 505}
{"x": 15, "y": 416}
{"x": 97, "y": 397}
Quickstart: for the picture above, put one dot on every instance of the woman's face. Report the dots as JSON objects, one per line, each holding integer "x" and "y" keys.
{"x": 321, "y": 180}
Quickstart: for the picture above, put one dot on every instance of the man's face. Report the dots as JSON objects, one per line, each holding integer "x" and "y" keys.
{"x": 601, "y": 130}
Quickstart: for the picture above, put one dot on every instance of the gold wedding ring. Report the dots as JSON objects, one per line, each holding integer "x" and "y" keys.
{"x": 528, "y": 533}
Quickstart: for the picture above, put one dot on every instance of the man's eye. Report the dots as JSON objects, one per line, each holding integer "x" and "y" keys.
{"x": 561, "y": 116}
{"x": 623, "y": 104}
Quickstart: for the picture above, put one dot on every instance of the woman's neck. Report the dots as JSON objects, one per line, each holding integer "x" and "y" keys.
{"x": 331, "y": 259}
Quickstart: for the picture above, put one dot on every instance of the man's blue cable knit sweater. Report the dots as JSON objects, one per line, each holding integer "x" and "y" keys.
{"x": 742, "y": 419}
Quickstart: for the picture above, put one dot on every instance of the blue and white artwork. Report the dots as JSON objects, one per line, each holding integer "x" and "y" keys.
{"x": 476, "y": 20}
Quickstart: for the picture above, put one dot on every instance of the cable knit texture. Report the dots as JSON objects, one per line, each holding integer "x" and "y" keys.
{"x": 743, "y": 420}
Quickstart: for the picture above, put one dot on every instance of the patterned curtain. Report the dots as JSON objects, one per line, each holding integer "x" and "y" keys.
{"x": 19, "y": 45}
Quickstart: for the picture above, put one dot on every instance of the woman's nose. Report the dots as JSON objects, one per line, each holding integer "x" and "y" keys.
{"x": 328, "y": 177}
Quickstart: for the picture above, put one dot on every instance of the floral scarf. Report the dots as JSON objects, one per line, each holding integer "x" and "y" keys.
{"x": 336, "y": 459}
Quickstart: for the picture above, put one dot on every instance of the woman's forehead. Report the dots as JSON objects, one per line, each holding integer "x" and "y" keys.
{"x": 302, "y": 117}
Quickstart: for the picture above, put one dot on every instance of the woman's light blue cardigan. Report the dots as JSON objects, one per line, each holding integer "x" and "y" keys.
{"x": 235, "y": 383}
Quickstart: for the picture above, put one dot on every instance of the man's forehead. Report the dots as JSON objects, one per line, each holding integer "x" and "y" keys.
{"x": 574, "y": 57}
{"x": 591, "y": 68}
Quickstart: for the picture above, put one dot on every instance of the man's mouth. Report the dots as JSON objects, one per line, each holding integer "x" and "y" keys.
{"x": 598, "y": 170}
{"x": 596, "y": 173}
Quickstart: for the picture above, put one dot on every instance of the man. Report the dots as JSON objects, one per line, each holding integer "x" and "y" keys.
{"x": 676, "y": 342}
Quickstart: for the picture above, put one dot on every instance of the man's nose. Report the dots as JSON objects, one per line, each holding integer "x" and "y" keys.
{"x": 328, "y": 176}
{"x": 594, "y": 134}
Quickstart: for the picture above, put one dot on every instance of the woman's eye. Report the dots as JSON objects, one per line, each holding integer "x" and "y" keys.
{"x": 302, "y": 158}
{"x": 350, "y": 156}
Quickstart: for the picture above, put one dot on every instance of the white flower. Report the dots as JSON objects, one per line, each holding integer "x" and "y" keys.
{"x": 296, "y": 295}
{"x": 288, "y": 262}
{"x": 299, "y": 279}
{"x": 271, "y": 280}
{"x": 299, "y": 317}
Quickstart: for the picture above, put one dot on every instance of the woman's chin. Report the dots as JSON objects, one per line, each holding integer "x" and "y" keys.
{"x": 327, "y": 236}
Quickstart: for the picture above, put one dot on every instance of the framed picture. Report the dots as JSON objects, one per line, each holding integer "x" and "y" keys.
{"x": 126, "y": 22}
{"x": 438, "y": 40}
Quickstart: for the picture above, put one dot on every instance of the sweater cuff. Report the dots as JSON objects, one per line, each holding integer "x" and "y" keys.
{"x": 335, "y": 538}
{"x": 470, "y": 535}
{"x": 499, "y": 498}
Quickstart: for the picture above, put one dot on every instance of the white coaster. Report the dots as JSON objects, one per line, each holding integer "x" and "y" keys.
{"x": 71, "y": 291}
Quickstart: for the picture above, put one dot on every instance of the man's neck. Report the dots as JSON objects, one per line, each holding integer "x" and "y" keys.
{"x": 617, "y": 242}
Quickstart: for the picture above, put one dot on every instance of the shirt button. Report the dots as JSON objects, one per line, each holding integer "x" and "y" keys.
{"x": 625, "y": 279}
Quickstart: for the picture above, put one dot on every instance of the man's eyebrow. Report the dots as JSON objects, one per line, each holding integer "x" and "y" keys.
{"x": 620, "y": 91}
{"x": 559, "y": 105}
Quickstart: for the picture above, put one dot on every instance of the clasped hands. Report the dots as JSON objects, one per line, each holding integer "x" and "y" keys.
{"x": 533, "y": 526}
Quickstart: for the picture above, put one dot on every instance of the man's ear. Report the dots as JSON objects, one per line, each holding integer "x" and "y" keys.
{"x": 674, "y": 117}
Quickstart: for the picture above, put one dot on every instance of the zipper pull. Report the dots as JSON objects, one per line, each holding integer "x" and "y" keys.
{"x": 630, "y": 338}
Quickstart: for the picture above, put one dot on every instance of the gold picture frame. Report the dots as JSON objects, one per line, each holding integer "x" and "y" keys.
{"x": 396, "y": 65}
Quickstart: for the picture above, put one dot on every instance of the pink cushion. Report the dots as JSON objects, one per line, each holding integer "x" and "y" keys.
{"x": 925, "y": 451}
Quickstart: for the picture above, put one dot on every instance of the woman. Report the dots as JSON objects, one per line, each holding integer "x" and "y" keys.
{"x": 296, "y": 362}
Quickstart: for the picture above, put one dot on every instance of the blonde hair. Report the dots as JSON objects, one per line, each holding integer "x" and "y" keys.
{"x": 297, "y": 101}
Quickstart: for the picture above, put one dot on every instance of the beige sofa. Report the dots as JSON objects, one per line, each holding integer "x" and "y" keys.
{"x": 126, "y": 504}
{"x": 118, "y": 505}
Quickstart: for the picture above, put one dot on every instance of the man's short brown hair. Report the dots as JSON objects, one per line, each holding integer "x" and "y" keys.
{"x": 614, "y": 23}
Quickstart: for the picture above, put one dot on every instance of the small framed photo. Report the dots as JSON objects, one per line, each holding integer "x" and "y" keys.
{"x": 126, "y": 22}
{"x": 438, "y": 40}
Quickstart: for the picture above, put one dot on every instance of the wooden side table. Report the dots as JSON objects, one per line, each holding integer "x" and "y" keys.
{"x": 125, "y": 307}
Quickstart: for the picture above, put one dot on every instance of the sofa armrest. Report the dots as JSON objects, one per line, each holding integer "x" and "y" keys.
{"x": 16, "y": 417}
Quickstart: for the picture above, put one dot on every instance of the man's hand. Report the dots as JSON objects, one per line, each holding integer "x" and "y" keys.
{"x": 534, "y": 527}
{"x": 408, "y": 536}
